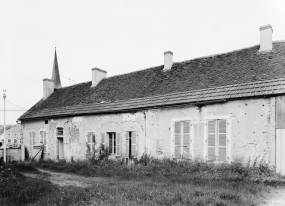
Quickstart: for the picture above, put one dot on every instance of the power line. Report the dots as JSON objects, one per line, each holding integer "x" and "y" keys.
{"x": 13, "y": 110}
{"x": 68, "y": 79}
{"x": 15, "y": 105}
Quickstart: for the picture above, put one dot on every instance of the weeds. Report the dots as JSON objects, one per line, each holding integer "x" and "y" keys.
{"x": 153, "y": 182}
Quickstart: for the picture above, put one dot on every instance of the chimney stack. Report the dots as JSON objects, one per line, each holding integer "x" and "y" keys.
{"x": 168, "y": 60}
{"x": 48, "y": 88}
{"x": 97, "y": 76}
{"x": 265, "y": 38}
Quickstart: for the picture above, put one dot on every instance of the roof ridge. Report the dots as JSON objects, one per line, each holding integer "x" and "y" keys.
{"x": 185, "y": 61}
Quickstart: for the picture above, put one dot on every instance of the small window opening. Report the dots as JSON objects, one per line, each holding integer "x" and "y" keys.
{"x": 46, "y": 121}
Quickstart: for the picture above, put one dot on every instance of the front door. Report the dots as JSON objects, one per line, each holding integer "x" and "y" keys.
{"x": 60, "y": 153}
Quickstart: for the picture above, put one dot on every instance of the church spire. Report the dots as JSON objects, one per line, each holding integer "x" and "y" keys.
{"x": 55, "y": 73}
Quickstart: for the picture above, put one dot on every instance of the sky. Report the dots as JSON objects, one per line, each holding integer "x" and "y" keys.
{"x": 119, "y": 36}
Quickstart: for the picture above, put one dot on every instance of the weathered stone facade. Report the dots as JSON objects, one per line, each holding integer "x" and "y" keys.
{"x": 250, "y": 130}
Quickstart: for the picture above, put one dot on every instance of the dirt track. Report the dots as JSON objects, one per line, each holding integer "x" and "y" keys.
{"x": 275, "y": 197}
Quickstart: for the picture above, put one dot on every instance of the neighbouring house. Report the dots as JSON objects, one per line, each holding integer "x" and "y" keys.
{"x": 216, "y": 108}
{"x": 13, "y": 135}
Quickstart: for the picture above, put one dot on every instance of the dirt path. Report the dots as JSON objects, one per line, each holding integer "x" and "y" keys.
{"x": 63, "y": 179}
{"x": 276, "y": 196}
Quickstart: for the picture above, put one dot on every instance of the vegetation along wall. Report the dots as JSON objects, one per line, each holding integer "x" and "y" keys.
{"x": 222, "y": 132}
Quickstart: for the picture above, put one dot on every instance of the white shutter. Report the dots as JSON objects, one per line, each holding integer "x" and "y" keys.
{"x": 212, "y": 140}
{"x": 127, "y": 143}
{"x": 103, "y": 140}
{"x": 177, "y": 139}
{"x": 45, "y": 141}
{"x": 222, "y": 133}
{"x": 186, "y": 140}
{"x": 134, "y": 140}
{"x": 30, "y": 142}
{"x": 118, "y": 146}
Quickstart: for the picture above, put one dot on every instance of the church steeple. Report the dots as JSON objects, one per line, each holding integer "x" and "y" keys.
{"x": 55, "y": 73}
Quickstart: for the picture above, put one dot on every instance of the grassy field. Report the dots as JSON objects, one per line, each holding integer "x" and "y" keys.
{"x": 147, "y": 182}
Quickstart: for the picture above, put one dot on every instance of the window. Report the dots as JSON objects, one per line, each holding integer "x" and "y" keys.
{"x": 131, "y": 144}
{"x": 9, "y": 140}
{"x": 44, "y": 140}
{"x": 46, "y": 121}
{"x": 182, "y": 139}
{"x": 32, "y": 141}
{"x": 59, "y": 131}
{"x": 15, "y": 141}
{"x": 112, "y": 142}
{"x": 91, "y": 142}
{"x": 217, "y": 141}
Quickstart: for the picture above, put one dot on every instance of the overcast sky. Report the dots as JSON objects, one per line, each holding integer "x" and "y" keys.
{"x": 117, "y": 36}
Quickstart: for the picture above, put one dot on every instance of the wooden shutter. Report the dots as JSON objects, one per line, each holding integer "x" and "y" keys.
{"x": 103, "y": 140}
{"x": 118, "y": 146}
{"x": 222, "y": 133}
{"x": 186, "y": 140}
{"x": 127, "y": 143}
{"x": 88, "y": 138}
{"x": 212, "y": 140}
{"x": 30, "y": 142}
{"x": 177, "y": 139}
{"x": 134, "y": 144}
{"x": 45, "y": 141}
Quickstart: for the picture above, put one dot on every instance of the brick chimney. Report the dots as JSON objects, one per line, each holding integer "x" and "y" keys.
{"x": 97, "y": 76}
{"x": 48, "y": 87}
{"x": 265, "y": 38}
{"x": 168, "y": 60}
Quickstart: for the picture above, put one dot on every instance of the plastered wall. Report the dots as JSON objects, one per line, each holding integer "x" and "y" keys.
{"x": 252, "y": 129}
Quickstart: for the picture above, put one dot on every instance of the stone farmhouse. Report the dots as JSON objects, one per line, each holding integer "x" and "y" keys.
{"x": 216, "y": 108}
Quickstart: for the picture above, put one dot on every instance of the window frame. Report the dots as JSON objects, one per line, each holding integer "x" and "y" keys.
{"x": 228, "y": 138}
{"x": 114, "y": 142}
{"x": 92, "y": 132}
{"x": 191, "y": 137}
{"x": 47, "y": 144}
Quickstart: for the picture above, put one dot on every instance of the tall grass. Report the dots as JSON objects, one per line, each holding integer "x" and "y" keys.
{"x": 149, "y": 181}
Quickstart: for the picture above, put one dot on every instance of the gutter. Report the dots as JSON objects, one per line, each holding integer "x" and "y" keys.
{"x": 127, "y": 110}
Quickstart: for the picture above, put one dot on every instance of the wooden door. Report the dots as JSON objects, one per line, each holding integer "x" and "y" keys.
{"x": 60, "y": 149}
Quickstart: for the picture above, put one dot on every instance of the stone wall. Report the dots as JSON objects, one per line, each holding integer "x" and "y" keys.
{"x": 13, "y": 154}
{"x": 251, "y": 129}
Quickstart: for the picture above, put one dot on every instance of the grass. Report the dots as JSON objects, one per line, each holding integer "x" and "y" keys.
{"x": 147, "y": 182}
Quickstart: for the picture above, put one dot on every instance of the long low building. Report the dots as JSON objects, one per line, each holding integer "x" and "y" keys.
{"x": 217, "y": 108}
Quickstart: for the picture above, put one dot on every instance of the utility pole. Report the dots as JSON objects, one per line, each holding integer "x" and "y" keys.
{"x": 5, "y": 143}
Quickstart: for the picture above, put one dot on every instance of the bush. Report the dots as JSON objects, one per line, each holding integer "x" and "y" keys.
{"x": 16, "y": 189}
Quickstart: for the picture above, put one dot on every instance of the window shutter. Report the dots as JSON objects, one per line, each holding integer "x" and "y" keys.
{"x": 186, "y": 140}
{"x": 45, "y": 141}
{"x": 127, "y": 144}
{"x": 118, "y": 146}
{"x": 30, "y": 140}
{"x": 222, "y": 132}
{"x": 177, "y": 139}
{"x": 134, "y": 144}
{"x": 212, "y": 140}
{"x": 88, "y": 135}
{"x": 103, "y": 140}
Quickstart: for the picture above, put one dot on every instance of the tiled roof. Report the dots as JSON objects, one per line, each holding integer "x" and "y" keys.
{"x": 241, "y": 73}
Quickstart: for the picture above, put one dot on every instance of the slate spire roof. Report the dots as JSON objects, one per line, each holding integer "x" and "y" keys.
{"x": 55, "y": 72}
{"x": 243, "y": 73}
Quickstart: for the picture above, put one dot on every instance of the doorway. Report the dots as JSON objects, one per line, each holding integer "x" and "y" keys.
{"x": 60, "y": 153}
